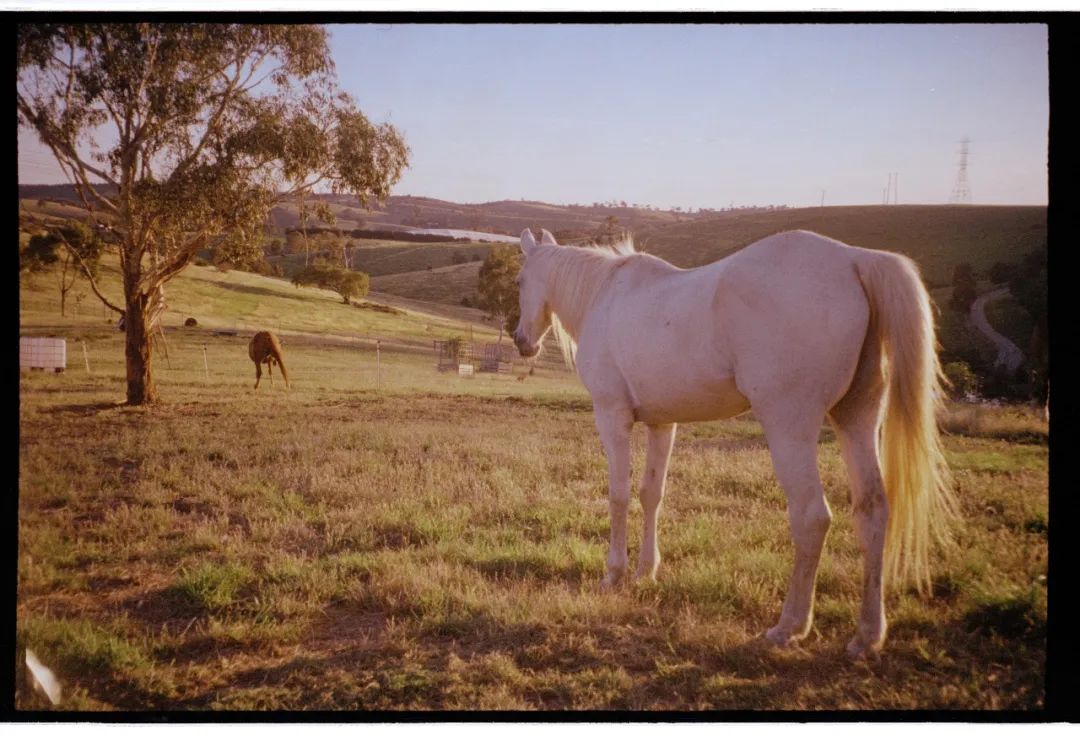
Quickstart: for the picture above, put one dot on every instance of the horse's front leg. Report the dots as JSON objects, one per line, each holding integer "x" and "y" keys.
{"x": 659, "y": 441}
{"x": 270, "y": 371}
{"x": 614, "y": 427}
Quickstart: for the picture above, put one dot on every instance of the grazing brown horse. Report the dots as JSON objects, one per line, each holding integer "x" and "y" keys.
{"x": 265, "y": 348}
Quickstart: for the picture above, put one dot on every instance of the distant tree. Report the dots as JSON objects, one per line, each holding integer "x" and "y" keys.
{"x": 295, "y": 242}
{"x": 1000, "y": 273}
{"x": 348, "y": 284}
{"x": 71, "y": 247}
{"x": 337, "y": 247}
{"x": 962, "y": 380}
{"x": 609, "y": 231}
{"x": 196, "y": 130}
{"x": 497, "y": 292}
{"x": 1028, "y": 285}
{"x": 351, "y": 285}
{"x": 319, "y": 274}
{"x": 964, "y": 291}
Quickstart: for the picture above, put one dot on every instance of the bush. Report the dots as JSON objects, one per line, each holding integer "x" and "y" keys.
{"x": 1000, "y": 273}
{"x": 191, "y": 322}
{"x": 964, "y": 381}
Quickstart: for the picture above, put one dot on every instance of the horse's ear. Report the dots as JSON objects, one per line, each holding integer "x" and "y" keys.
{"x": 546, "y": 238}
{"x": 528, "y": 242}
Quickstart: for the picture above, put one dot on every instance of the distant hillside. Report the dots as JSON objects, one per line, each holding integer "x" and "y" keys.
{"x": 936, "y": 237}
{"x": 507, "y": 217}
{"x": 448, "y": 284}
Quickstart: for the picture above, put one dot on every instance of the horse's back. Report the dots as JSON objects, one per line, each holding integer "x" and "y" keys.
{"x": 794, "y": 312}
{"x": 262, "y": 344}
{"x": 785, "y": 313}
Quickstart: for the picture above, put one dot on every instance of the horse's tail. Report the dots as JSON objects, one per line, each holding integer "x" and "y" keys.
{"x": 918, "y": 484}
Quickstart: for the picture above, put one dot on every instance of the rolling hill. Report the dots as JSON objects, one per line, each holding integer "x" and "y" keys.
{"x": 936, "y": 237}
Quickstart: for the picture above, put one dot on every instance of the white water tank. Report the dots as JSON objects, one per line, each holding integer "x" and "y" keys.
{"x": 43, "y": 353}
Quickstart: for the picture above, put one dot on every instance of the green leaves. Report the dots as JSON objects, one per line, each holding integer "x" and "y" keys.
{"x": 349, "y": 284}
{"x": 199, "y": 129}
{"x": 497, "y": 286}
{"x": 47, "y": 248}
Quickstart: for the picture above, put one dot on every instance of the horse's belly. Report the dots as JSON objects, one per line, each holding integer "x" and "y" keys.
{"x": 718, "y": 399}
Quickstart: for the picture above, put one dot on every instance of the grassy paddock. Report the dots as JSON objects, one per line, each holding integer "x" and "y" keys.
{"x": 437, "y": 542}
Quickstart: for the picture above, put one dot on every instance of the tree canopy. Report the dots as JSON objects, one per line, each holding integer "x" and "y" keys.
{"x": 72, "y": 245}
{"x": 181, "y": 136}
{"x": 497, "y": 288}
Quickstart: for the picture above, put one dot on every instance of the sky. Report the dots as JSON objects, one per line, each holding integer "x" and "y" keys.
{"x": 699, "y": 115}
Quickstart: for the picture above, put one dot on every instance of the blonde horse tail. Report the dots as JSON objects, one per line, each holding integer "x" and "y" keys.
{"x": 918, "y": 484}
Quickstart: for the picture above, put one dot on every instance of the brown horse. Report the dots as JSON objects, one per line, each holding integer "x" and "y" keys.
{"x": 265, "y": 348}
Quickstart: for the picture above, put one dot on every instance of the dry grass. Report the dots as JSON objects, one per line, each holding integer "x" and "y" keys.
{"x": 381, "y": 536}
{"x": 438, "y": 544}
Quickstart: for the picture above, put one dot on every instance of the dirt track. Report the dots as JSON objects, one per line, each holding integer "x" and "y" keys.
{"x": 1009, "y": 356}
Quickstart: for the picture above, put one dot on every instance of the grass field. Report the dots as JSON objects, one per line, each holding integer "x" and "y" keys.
{"x": 446, "y": 285}
{"x": 248, "y": 302}
{"x": 379, "y": 258}
{"x": 381, "y": 536}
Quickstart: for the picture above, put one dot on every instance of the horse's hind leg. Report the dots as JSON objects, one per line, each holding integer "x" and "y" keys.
{"x": 270, "y": 371}
{"x": 660, "y": 439}
{"x": 793, "y": 446}
{"x": 614, "y": 427}
{"x": 857, "y": 433}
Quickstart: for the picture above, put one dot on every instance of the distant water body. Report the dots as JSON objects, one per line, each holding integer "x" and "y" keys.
{"x": 470, "y": 234}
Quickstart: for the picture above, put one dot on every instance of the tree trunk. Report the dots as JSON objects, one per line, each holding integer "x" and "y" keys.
{"x": 140, "y": 377}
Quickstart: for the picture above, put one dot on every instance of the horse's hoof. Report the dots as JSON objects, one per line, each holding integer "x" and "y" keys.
{"x": 612, "y": 581}
{"x": 778, "y": 637}
{"x": 859, "y": 650}
{"x": 645, "y": 575}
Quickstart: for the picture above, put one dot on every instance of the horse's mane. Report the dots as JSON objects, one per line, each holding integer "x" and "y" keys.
{"x": 575, "y": 275}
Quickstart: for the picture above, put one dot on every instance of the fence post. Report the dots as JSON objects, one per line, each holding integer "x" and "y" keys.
{"x": 378, "y": 365}
{"x": 206, "y": 365}
{"x": 86, "y": 358}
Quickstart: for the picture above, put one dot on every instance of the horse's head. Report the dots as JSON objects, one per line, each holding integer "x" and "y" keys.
{"x": 532, "y": 295}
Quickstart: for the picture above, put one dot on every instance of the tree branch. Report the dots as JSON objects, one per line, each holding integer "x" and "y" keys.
{"x": 89, "y": 276}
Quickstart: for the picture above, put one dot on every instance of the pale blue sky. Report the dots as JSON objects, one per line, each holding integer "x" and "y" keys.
{"x": 701, "y": 115}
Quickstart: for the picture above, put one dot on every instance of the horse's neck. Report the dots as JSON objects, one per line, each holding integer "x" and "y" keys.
{"x": 575, "y": 280}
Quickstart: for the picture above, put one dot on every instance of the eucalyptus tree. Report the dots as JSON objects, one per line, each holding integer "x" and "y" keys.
{"x": 497, "y": 289}
{"x": 181, "y": 137}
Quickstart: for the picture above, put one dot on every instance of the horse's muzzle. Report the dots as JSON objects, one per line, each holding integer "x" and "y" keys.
{"x": 524, "y": 347}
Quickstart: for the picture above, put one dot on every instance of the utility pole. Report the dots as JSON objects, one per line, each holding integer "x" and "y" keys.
{"x": 961, "y": 194}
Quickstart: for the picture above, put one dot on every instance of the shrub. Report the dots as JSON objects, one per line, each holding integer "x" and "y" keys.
{"x": 191, "y": 322}
{"x": 964, "y": 381}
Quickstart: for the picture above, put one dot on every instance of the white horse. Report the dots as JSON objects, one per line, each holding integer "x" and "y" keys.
{"x": 796, "y": 327}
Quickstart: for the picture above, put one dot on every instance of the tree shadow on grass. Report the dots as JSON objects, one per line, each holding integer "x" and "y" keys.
{"x": 84, "y": 410}
{"x": 263, "y": 291}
